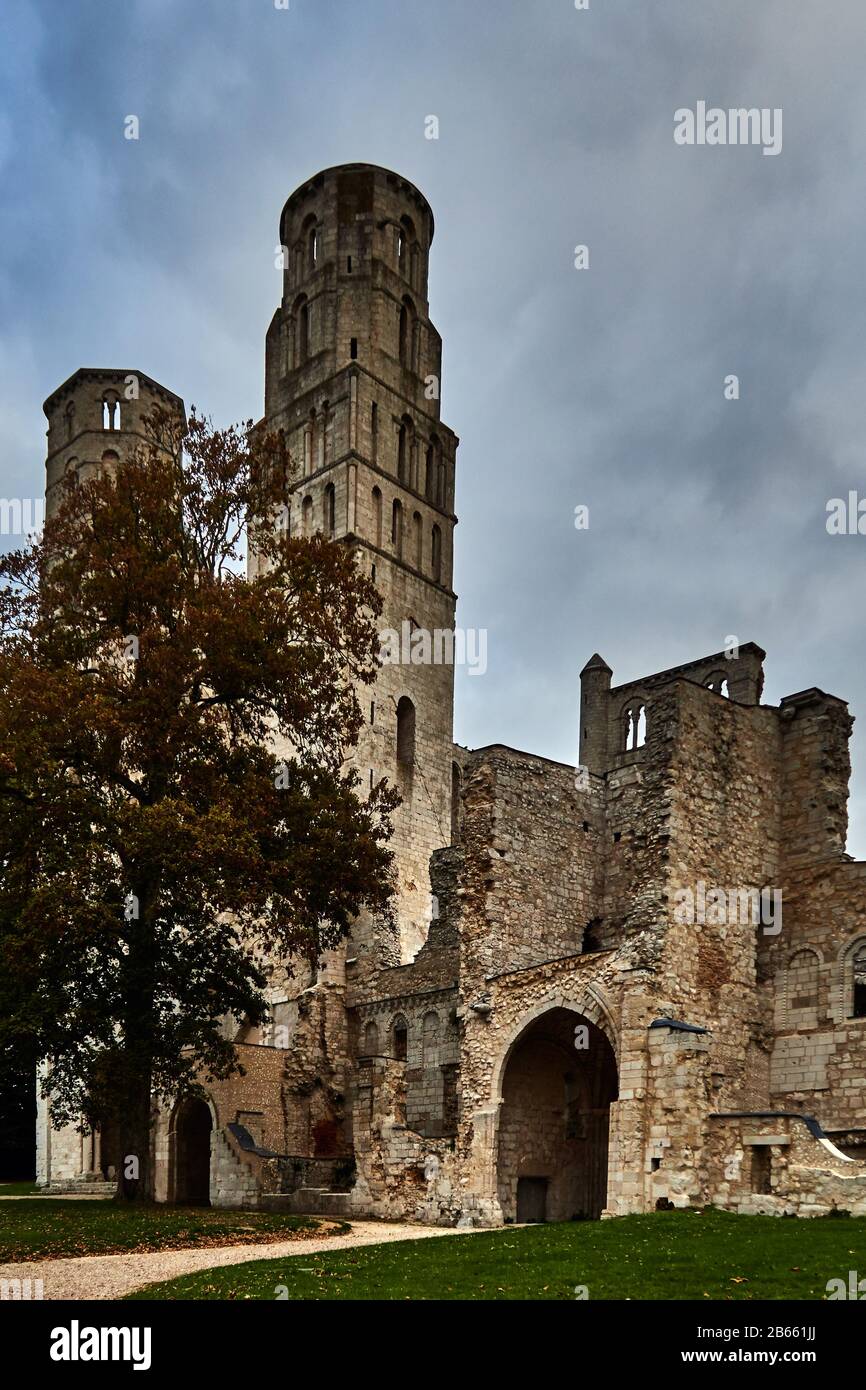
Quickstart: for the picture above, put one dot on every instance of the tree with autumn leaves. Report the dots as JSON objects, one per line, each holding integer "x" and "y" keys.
{"x": 175, "y": 804}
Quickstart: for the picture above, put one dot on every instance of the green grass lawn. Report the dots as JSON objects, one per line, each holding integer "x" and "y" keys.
{"x": 45, "y": 1228}
{"x": 17, "y": 1189}
{"x": 668, "y": 1255}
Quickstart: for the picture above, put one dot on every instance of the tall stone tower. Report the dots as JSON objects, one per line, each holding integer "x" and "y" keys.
{"x": 353, "y": 375}
{"x": 96, "y": 418}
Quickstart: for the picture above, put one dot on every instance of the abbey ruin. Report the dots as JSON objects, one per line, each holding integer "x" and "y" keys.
{"x": 543, "y": 1036}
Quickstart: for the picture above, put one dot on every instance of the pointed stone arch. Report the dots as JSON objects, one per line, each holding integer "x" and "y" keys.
{"x": 556, "y": 1078}
{"x": 191, "y": 1151}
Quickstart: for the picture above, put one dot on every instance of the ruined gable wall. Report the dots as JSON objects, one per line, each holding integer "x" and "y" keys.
{"x": 726, "y": 764}
{"x": 819, "y": 1056}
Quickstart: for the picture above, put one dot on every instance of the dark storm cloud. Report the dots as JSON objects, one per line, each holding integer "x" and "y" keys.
{"x": 601, "y": 387}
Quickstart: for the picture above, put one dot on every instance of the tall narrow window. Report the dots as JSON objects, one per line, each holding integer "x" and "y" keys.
{"x": 377, "y": 518}
{"x": 434, "y": 460}
{"x": 440, "y": 484}
{"x": 301, "y": 329}
{"x": 405, "y": 731}
{"x": 353, "y": 349}
{"x": 310, "y": 445}
{"x": 404, "y": 446}
{"x": 397, "y": 528}
{"x": 401, "y": 1039}
{"x": 374, "y": 431}
{"x": 634, "y": 726}
{"x": 436, "y": 554}
{"x": 307, "y": 516}
{"x": 408, "y": 335}
{"x": 327, "y": 434}
{"x": 405, "y": 238}
{"x": 313, "y": 242}
{"x": 330, "y": 511}
{"x": 110, "y": 413}
{"x": 640, "y": 729}
{"x": 418, "y": 538}
{"x": 70, "y": 419}
{"x": 859, "y": 1004}
{"x": 404, "y": 336}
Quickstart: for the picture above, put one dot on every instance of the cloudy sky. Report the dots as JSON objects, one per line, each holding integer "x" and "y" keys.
{"x": 601, "y": 387}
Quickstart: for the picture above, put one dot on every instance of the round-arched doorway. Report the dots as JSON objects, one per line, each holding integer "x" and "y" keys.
{"x": 190, "y": 1151}
{"x": 557, "y": 1087}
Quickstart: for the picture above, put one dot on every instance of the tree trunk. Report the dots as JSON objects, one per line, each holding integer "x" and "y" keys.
{"x": 135, "y": 1175}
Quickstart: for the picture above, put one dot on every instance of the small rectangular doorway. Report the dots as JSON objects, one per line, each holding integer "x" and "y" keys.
{"x": 531, "y": 1200}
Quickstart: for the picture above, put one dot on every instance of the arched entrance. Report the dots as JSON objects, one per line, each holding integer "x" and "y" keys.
{"x": 557, "y": 1087}
{"x": 190, "y": 1151}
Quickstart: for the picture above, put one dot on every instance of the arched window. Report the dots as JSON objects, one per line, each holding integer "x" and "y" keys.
{"x": 310, "y": 235}
{"x": 400, "y": 1037}
{"x": 70, "y": 420}
{"x": 634, "y": 726}
{"x": 397, "y": 527}
{"x": 858, "y": 992}
{"x": 430, "y": 1040}
{"x": 405, "y": 731}
{"x": 110, "y": 412}
{"x": 330, "y": 511}
{"x": 718, "y": 683}
{"x": 418, "y": 536}
{"x": 436, "y": 554}
{"x": 307, "y": 515}
{"x": 371, "y": 1040}
{"x": 377, "y": 517}
{"x": 440, "y": 484}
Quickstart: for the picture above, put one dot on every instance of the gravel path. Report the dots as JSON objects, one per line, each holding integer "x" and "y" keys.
{"x": 112, "y": 1276}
